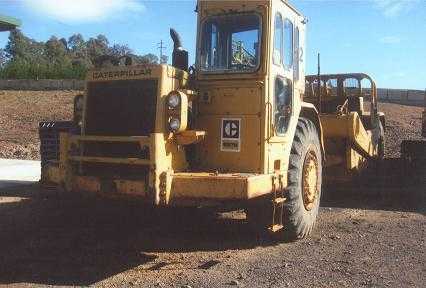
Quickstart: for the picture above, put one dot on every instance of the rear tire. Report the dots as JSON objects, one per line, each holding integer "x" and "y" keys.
{"x": 304, "y": 182}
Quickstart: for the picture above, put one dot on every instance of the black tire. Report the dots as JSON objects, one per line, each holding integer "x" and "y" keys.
{"x": 298, "y": 221}
{"x": 300, "y": 213}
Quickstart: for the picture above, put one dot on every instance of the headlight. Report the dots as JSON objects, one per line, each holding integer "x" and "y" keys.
{"x": 174, "y": 100}
{"x": 174, "y": 124}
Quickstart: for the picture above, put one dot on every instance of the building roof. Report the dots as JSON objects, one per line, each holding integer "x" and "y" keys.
{"x": 8, "y": 23}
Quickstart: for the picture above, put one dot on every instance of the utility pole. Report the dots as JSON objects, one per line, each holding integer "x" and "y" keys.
{"x": 161, "y": 47}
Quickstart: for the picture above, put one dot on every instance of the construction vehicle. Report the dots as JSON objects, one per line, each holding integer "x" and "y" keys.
{"x": 231, "y": 131}
{"x": 353, "y": 128}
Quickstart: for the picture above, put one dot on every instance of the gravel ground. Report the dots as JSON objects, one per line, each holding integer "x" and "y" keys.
{"x": 360, "y": 240}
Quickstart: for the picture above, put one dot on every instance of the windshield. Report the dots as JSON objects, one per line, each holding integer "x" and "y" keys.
{"x": 230, "y": 43}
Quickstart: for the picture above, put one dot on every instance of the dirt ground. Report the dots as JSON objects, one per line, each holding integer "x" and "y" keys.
{"x": 369, "y": 235}
{"x": 361, "y": 240}
{"x": 21, "y": 111}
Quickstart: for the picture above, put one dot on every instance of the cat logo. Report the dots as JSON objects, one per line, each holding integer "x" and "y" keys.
{"x": 231, "y": 134}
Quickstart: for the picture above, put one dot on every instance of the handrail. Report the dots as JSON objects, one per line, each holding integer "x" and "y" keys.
{"x": 135, "y": 161}
{"x": 90, "y": 138}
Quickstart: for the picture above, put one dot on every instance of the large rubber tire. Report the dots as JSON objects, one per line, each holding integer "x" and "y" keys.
{"x": 299, "y": 213}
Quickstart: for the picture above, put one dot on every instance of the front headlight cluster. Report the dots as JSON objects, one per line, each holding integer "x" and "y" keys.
{"x": 177, "y": 110}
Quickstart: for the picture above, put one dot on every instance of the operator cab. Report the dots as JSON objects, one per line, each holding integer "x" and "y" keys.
{"x": 230, "y": 43}
{"x": 250, "y": 78}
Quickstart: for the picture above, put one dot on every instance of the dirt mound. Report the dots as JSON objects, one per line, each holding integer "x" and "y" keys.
{"x": 402, "y": 123}
{"x": 21, "y": 111}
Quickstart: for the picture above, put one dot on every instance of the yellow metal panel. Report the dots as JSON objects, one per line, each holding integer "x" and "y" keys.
{"x": 245, "y": 99}
{"x": 219, "y": 186}
{"x": 125, "y": 73}
{"x": 186, "y": 185}
{"x": 247, "y": 160}
{"x": 93, "y": 184}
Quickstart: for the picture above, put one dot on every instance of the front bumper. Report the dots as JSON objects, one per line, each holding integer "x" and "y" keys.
{"x": 163, "y": 187}
{"x": 187, "y": 189}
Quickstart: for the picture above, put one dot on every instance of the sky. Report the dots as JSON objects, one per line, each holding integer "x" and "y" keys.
{"x": 384, "y": 38}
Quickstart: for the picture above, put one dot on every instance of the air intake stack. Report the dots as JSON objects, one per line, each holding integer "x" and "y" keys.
{"x": 180, "y": 55}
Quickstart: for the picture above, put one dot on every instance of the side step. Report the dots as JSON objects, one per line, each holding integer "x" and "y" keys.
{"x": 278, "y": 201}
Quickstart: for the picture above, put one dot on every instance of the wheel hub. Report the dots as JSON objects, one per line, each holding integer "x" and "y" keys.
{"x": 310, "y": 180}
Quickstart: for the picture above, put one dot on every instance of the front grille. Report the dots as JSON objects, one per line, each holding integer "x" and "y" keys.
{"x": 119, "y": 108}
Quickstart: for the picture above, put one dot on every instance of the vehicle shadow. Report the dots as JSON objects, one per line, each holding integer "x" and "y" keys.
{"x": 52, "y": 239}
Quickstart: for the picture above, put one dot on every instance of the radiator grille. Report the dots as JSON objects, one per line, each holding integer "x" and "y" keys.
{"x": 119, "y": 108}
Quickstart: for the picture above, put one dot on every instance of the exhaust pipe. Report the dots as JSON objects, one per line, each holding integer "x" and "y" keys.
{"x": 180, "y": 55}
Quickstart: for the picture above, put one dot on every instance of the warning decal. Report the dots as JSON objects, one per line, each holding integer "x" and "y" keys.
{"x": 231, "y": 135}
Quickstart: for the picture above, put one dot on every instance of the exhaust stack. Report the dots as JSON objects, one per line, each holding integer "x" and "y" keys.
{"x": 180, "y": 55}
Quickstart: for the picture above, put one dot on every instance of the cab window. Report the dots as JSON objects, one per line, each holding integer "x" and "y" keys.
{"x": 297, "y": 55}
{"x": 230, "y": 43}
{"x": 283, "y": 103}
{"x": 278, "y": 40}
{"x": 288, "y": 44}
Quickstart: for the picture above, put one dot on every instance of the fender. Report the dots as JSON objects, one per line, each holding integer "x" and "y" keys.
{"x": 309, "y": 111}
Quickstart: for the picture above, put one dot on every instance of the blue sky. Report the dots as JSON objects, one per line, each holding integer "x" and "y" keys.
{"x": 385, "y": 38}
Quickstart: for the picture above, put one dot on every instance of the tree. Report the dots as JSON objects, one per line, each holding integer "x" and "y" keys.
{"x": 118, "y": 50}
{"x": 164, "y": 59}
{"x": 97, "y": 47}
{"x": 17, "y": 45}
{"x": 148, "y": 59}
{"x": 25, "y": 58}
{"x": 55, "y": 50}
{"x": 76, "y": 43}
{"x": 3, "y": 58}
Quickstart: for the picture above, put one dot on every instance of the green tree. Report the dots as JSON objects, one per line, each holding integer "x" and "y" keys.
{"x": 25, "y": 58}
{"x": 118, "y": 50}
{"x": 55, "y": 50}
{"x": 97, "y": 47}
{"x": 148, "y": 59}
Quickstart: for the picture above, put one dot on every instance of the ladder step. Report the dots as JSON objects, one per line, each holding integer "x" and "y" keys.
{"x": 279, "y": 200}
{"x": 275, "y": 228}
